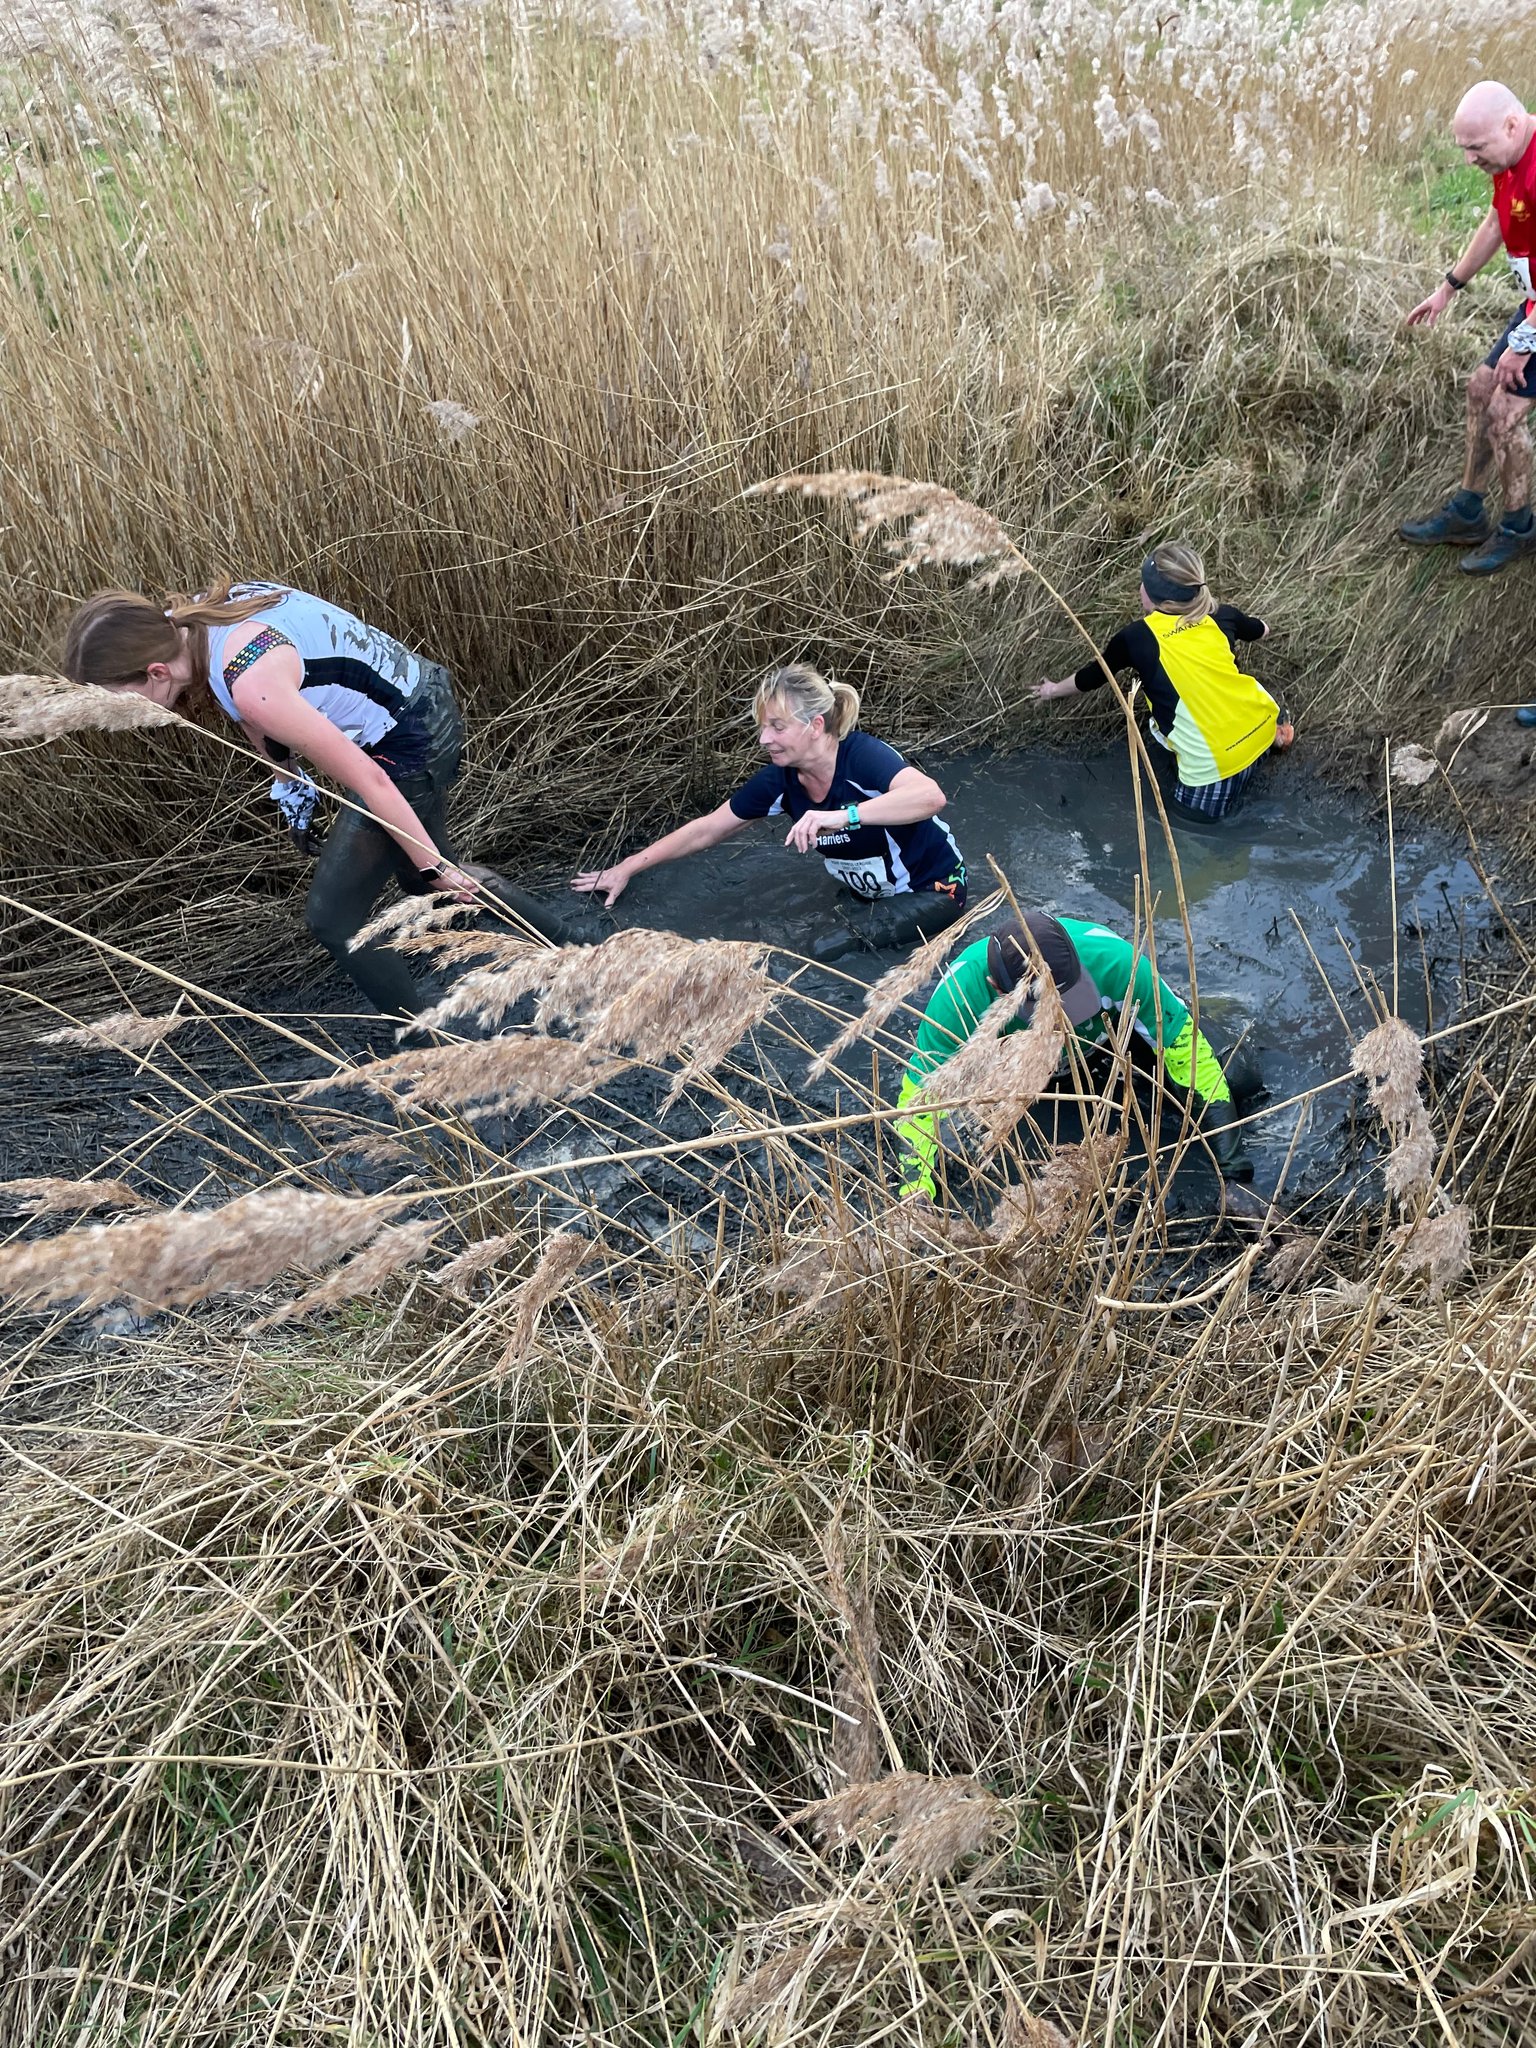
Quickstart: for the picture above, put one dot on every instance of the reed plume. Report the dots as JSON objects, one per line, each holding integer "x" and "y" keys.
{"x": 46, "y": 1196}
{"x": 489, "y": 1077}
{"x": 1025, "y": 2029}
{"x": 398, "y": 1245}
{"x": 476, "y": 1258}
{"x": 1042, "y": 1207}
{"x": 765, "y": 1992}
{"x": 1439, "y": 1246}
{"x": 179, "y": 1256}
{"x": 655, "y": 994}
{"x": 837, "y": 1258}
{"x": 1390, "y": 1058}
{"x": 856, "y": 1751}
{"x": 944, "y": 530}
{"x": 48, "y": 707}
{"x": 122, "y": 1031}
{"x": 886, "y": 996}
{"x": 995, "y": 1076}
{"x": 562, "y": 1258}
{"x": 924, "y": 1825}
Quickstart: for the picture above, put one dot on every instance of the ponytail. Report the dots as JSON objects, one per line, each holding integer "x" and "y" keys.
{"x": 116, "y": 634}
{"x": 216, "y": 606}
{"x": 1176, "y": 563}
{"x": 807, "y": 694}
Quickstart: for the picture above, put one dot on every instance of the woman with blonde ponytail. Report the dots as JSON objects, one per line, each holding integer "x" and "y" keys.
{"x": 1216, "y": 723}
{"x": 307, "y": 681}
{"x": 871, "y": 816}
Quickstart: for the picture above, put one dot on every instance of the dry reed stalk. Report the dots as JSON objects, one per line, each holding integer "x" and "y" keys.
{"x": 561, "y": 1259}
{"x": 179, "y": 1256}
{"x": 48, "y": 707}
{"x": 489, "y": 1077}
{"x": 398, "y": 1245}
{"x": 47, "y": 1196}
{"x": 945, "y": 530}
{"x": 122, "y": 1031}
{"x": 925, "y": 1825}
{"x": 476, "y": 1258}
{"x": 995, "y": 1076}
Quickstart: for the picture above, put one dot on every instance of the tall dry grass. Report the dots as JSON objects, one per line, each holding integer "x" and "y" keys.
{"x": 464, "y": 1618}
{"x": 843, "y": 1623}
{"x": 483, "y": 322}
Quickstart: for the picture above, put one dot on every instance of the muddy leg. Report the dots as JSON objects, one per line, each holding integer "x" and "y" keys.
{"x": 1479, "y": 445}
{"x": 1508, "y": 434}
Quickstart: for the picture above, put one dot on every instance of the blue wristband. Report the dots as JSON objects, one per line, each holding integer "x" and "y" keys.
{"x": 853, "y": 817}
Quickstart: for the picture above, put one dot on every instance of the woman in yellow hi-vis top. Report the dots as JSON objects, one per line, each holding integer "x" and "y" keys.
{"x": 1217, "y": 723}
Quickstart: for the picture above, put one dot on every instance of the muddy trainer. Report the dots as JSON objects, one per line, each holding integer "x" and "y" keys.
{"x": 1494, "y": 133}
{"x": 1098, "y": 975}
{"x": 306, "y": 679}
{"x": 871, "y": 816}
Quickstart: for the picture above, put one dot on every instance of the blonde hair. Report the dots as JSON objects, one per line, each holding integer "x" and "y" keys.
{"x": 116, "y": 634}
{"x": 808, "y": 694}
{"x": 1177, "y": 559}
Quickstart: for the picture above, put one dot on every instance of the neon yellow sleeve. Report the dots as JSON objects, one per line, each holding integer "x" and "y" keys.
{"x": 1192, "y": 1064}
{"x": 918, "y": 1138}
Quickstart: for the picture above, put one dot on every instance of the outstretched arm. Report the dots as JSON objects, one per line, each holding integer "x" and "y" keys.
{"x": 1119, "y": 654}
{"x": 1486, "y": 238}
{"x": 911, "y": 797}
{"x": 271, "y": 708}
{"x": 693, "y": 837}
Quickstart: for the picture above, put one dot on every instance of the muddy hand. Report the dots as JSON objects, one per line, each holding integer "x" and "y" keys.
{"x": 805, "y": 832}
{"x": 610, "y": 883}
{"x": 449, "y": 880}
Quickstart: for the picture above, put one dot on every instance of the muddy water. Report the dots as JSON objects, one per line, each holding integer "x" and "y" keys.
{"x": 1297, "y": 908}
{"x": 1289, "y": 902}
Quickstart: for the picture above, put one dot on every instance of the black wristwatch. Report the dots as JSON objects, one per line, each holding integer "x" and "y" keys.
{"x": 1457, "y": 284}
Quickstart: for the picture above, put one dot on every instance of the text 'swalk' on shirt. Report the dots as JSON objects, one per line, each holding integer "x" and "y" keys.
{"x": 367, "y": 684}
{"x": 1514, "y": 201}
{"x": 874, "y": 860}
{"x": 1120, "y": 973}
{"x": 1217, "y": 720}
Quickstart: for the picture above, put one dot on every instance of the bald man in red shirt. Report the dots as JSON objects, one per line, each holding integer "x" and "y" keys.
{"x": 1494, "y": 133}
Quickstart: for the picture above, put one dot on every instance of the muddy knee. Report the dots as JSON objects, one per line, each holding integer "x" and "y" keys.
{"x": 330, "y": 921}
{"x": 1479, "y": 388}
{"x": 1507, "y": 421}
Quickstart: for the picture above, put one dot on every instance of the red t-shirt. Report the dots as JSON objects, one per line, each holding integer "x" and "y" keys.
{"x": 1514, "y": 201}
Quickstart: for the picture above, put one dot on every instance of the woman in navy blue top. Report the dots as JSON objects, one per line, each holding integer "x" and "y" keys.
{"x": 871, "y": 816}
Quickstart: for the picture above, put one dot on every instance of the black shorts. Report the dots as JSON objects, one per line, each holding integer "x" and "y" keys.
{"x": 1527, "y": 388}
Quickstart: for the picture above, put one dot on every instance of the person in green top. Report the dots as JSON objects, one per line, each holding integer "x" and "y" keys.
{"x": 1097, "y": 973}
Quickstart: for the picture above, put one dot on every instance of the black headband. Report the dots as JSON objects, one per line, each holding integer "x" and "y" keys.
{"x": 1166, "y": 589}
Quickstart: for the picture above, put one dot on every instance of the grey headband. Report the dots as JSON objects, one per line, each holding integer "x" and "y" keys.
{"x": 1166, "y": 589}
